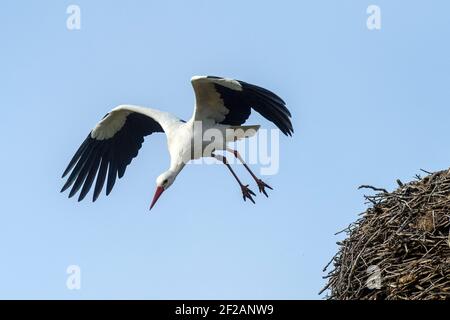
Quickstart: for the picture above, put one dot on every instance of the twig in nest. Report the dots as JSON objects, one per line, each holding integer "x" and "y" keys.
{"x": 364, "y": 186}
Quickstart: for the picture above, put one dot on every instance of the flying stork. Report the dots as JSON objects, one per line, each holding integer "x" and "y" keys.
{"x": 222, "y": 104}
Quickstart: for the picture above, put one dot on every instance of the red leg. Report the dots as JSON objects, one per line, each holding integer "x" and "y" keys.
{"x": 261, "y": 184}
{"x": 246, "y": 192}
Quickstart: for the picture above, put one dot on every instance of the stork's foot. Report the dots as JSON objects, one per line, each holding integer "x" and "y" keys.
{"x": 247, "y": 193}
{"x": 262, "y": 185}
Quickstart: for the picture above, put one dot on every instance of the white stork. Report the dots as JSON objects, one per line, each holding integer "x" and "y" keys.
{"x": 221, "y": 103}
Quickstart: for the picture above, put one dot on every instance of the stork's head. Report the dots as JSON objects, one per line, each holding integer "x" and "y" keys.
{"x": 163, "y": 182}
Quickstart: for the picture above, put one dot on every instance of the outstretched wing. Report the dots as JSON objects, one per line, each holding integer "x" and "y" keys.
{"x": 229, "y": 101}
{"x": 110, "y": 147}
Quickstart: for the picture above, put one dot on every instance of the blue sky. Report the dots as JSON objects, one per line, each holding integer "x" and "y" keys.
{"x": 368, "y": 107}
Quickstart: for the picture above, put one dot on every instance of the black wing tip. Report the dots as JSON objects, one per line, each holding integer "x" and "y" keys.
{"x": 262, "y": 91}
{"x": 81, "y": 197}
{"x": 71, "y": 195}
{"x": 288, "y": 133}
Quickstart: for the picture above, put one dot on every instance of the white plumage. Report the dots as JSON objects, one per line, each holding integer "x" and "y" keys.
{"x": 222, "y": 104}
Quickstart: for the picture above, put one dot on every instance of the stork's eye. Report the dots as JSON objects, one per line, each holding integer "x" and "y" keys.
{"x": 165, "y": 181}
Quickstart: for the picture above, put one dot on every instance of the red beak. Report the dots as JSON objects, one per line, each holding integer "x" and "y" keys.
{"x": 158, "y": 193}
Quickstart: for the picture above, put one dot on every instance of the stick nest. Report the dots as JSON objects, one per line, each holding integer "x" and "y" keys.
{"x": 400, "y": 247}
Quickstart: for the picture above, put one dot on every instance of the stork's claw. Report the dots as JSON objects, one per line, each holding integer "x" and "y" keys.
{"x": 247, "y": 193}
{"x": 262, "y": 185}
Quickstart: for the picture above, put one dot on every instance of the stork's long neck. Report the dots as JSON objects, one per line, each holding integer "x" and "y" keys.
{"x": 176, "y": 167}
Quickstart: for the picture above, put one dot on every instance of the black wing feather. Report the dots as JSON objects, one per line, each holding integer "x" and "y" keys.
{"x": 76, "y": 157}
{"x": 101, "y": 177}
{"x": 108, "y": 158}
{"x": 79, "y": 166}
{"x": 84, "y": 171}
{"x": 265, "y": 102}
{"x": 91, "y": 175}
{"x": 112, "y": 175}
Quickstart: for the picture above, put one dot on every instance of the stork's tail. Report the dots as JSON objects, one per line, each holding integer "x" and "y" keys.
{"x": 241, "y": 132}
